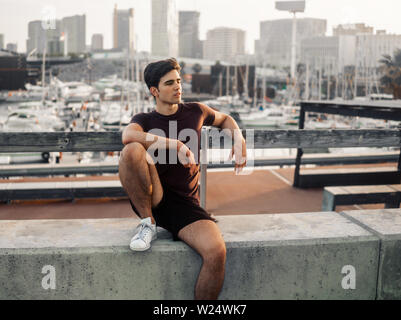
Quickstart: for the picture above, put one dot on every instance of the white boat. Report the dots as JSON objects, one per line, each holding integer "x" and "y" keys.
{"x": 51, "y": 121}
{"x": 368, "y": 123}
{"x": 31, "y": 93}
{"x": 217, "y": 105}
{"x": 76, "y": 90}
{"x": 22, "y": 122}
{"x": 20, "y": 96}
{"x": 114, "y": 113}
{"x": 113, "y": 87}
{"x": 111, "y": 94}
{"x": 69, "y": 111}
{"x": 292, "y": 115}
{"x": 108, "y": 82}
{"x": 270, "y": 117}
{"x": 47, "y": 114}
{"x": 36, "y": 93}
{"x": 32, "y": 113}
{"x": 327, "y": 124}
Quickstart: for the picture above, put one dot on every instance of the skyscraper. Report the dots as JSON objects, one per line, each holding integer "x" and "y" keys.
{"x": 38, "y": 37}
{"x": 330, "y": 53}
{"x": 164, "y": 28}
{"x": 74, "y": 30}
{"x": 12, "y": 47}
{"x": 224, "y": 44}
{"x": 372, "y": 47}
{"x": 189, "y": 44}
{"x": 123, "y": 29}
{"x": 274, "y": 46}
{"x": 1, "y": 41}
{"x": 352, "y": 29}
{"x": 97, "y": 42}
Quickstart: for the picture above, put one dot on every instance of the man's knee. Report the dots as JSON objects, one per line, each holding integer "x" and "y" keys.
{"x": 132, "y": 153}
{"x": 215, "y": 254}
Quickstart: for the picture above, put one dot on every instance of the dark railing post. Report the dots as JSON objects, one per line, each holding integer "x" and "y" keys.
{"x": 203, "y": 166}
{"x": 301, "y": 125}
{"x": 399, "y": 160}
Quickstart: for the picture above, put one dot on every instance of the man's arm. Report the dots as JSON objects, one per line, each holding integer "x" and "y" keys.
{"x": 225, "y": 121}
{"x": 135, "y": 133}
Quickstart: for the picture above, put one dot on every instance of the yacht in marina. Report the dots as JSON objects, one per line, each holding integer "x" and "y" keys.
{"x": 115, "y": 113}
{"x": 269, "y": 117}
{"x": 21, "y": 122}
{"x": 76, "y": 90}
{"x": 33, "y": 116}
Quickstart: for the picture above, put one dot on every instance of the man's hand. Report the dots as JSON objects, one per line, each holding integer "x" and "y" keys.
{"x": 239, "y": 152}
{"x": 226, "y": 122}
{"x": 185, "y": 155}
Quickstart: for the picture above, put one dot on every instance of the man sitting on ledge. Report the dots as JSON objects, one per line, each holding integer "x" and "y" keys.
{"x": 164, "y": 191}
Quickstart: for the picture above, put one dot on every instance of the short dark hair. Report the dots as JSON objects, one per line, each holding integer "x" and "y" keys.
{"x": 156, "y": 70}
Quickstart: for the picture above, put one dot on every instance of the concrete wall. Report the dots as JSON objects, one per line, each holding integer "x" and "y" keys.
{"x": 386, "y": 224}
{"x": 279, "y": 256}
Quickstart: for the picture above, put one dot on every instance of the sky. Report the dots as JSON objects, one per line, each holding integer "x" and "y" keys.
{"x": 243, "y": 14}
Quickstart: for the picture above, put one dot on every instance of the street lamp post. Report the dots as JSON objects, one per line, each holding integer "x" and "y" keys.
{"x": 292, "y": 7}
{"x": 48, "y": 23}
{"x": 293, "y": 45}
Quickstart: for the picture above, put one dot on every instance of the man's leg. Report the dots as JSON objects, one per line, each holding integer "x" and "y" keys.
{"x": 139, "y": 178}
{"x": 205, "y": 238}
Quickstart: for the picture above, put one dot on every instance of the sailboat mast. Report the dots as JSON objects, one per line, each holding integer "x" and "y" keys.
{"x": 255, "y": 88}
{"x": 264, "y": 87}
{"x": 44, "y": 73}
{"x": 228, "y": 81}
{"x": 246, "y": 91}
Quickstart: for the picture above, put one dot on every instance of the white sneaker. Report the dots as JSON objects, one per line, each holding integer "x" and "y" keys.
{"x": 146, "y": 232}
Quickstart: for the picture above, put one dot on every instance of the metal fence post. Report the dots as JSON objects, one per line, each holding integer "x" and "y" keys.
{"x": 203, "y": 167}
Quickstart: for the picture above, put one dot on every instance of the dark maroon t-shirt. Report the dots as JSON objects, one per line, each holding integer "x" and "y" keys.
{"x": 173, "y": 175}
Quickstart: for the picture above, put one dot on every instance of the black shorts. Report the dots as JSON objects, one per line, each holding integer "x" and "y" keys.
{"x": 174, "y": 213}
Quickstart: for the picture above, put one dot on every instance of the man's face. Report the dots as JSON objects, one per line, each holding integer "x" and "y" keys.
{"x": 169, "y": 90}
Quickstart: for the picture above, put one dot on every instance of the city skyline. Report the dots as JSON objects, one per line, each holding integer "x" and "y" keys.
{"x": 16, "y": 14}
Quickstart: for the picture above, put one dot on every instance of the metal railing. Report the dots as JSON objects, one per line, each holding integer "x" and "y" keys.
{"x": 258, "y": 139}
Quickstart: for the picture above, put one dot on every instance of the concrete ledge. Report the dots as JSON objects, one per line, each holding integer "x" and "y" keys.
{"x": 386, "y": 224}
{"x": 285, "y": 256}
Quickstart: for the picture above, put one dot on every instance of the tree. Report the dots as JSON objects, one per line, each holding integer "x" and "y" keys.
{"x": 391, "y": 68}
{"x": 182, "y": 65}
{"x": 218, "y": 67}
{"x": 301, "y": 68}
{"x": 197, "y": 68}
